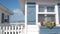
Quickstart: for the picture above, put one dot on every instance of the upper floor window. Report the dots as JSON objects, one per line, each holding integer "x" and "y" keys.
{"x": 5, "y": 18}
{"x": 46, "y": 17}
{"x": 41, "y": 8}
{"x": 50, "y": 9}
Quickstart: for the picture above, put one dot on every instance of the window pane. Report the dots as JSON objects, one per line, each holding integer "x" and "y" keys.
{"x": 48, "y": 17}
{"x": 41, "y": 17}
{"x": 51, "y": 18}
{"x": 41, "y": 8}
{"x": 50, "y": 9}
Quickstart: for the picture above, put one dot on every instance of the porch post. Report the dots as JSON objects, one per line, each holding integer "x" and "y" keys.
{"x": 25, "y": 18}
{"x": 37, "y": 10}
{"x": 56, "y": 16}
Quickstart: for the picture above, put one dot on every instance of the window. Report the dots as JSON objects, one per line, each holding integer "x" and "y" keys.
{"x": 46, "y": 17}
{"x": 41, "y": 8}
{"x": 41, "y": 17}
{"x": 51, "y": 18}
{"x": 50, "y": 9}
{"x": 5, "y": 18}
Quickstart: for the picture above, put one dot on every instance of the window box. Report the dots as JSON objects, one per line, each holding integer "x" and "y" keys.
{"x": 48, "y": 24}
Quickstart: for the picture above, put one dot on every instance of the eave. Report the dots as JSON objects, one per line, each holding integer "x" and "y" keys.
{"x": 2, "y": 7}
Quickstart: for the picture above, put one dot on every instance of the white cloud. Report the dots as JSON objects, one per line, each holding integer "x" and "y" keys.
{"x": 17, "y": 16}
{"x": 17, "y": 11}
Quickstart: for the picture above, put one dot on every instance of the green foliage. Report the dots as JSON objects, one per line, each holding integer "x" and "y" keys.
{"x": 48, "y": 24}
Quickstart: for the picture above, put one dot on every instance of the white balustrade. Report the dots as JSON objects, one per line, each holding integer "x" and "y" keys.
{"x": 6, "y": 29}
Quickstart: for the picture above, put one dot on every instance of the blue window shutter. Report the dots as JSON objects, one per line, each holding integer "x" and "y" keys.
{"x": 2, "y": 20}
{"x": 31, "y": 13}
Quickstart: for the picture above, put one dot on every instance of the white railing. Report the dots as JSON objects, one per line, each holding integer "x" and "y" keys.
{"x": 12, "y": 29}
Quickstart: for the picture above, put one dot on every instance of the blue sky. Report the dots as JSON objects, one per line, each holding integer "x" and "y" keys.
{"x": 14, "y": 6}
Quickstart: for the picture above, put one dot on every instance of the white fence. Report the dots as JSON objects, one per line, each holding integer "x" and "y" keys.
{"x": 11, "y": 29}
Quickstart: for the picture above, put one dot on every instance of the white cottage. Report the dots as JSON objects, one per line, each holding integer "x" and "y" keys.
{"x": 4, "y": 14}
{"x": 40, "y": 10}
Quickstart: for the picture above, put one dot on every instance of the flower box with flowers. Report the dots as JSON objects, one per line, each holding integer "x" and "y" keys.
{"x": 48, "y": 24}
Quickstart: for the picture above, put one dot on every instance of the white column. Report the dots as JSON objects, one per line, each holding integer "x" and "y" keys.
{"x": 56, "y": 11}
{"x": 25, "y": 18}
{"x": 37, "y": 10}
